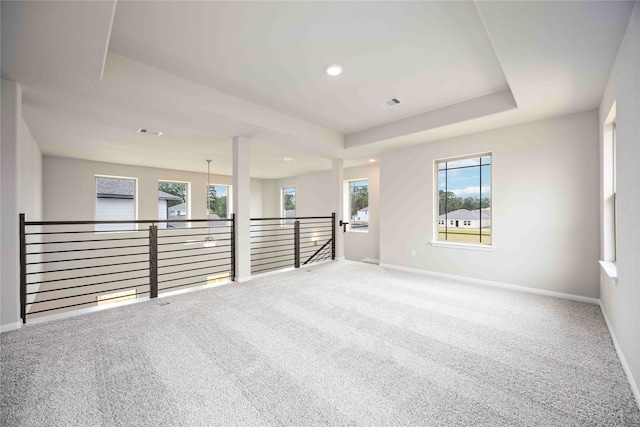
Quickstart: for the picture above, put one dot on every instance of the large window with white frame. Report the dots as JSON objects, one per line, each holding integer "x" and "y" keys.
{"x": 116, "y": 200}
{"x": 463, "y": 200}
{"x": 173, "y": 203}
{"x": 357, "y": 204}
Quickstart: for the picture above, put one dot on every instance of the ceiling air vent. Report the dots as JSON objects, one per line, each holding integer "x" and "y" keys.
{"x": 389, "y": 103}
{"x": 149, "y": 132}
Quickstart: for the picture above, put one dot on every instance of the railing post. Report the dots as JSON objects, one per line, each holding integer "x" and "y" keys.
{"x": 23, "y": 270}
{"x": 233, "y": 247}
{"x": 333, "y": 235}
{"x": 296, "y": 242}
{"x": 153, "y": 261}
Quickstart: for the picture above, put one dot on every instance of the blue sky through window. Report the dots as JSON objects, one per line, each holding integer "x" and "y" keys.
{"x": 463, "y": 179}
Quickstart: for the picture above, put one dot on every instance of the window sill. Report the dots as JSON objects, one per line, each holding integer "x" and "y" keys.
{"x": 469, "y": 246}
{"x": 358, "y": 231}
{"x": 611, "y": 269}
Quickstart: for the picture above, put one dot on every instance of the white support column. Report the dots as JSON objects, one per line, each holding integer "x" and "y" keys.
{"x": 337, "y": 197}
{"x": 9, "y": 202}
{"x": 242, "y": 207}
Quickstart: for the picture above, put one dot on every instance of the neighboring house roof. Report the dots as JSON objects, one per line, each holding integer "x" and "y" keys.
{"x": 123, "y": 189}
{"x": 115, "y": 188}
{"x": 465, "y": 214}
{"x": 166, "y": 196}
{"x": 364, "y": 210}
{"x": 178, "y": 208}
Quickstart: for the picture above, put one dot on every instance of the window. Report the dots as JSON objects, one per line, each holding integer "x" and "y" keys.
{"x": 115, "y": 201}
{"x": 289, "y": 202}
{"x": 615, "y": 192}
{"x": 358, "y": 205}
{"x": 609, "y": 187}
{"x": 218, "y": 200}
{"x": 173, "y": 203}
{"x": 464, "y": 200}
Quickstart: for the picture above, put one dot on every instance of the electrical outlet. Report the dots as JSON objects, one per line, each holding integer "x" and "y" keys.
{"x": 413, "y": 253}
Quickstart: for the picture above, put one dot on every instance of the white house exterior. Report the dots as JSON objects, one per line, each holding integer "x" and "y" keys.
{"x": 362, "y": 215}
{"x": 463, "y": 218}
{"x": 178, "y": 211}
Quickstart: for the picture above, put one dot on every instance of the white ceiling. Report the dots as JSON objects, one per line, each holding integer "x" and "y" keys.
{"x": 92, "y": 73}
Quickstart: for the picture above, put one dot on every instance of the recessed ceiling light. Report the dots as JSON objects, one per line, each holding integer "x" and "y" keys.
{"x": 334, "y": 70}
{"x": 286, "y": 159}
{"x": 372, "y": 160}
{"x": 149, "y": 132}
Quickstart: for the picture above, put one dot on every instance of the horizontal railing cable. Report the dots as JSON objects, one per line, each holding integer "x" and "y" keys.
{"x": 53, "y": 280}
{"x": 181, "y": 253}
{"x": 282, "y": 243}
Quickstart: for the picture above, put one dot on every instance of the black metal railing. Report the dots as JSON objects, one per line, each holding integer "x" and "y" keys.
{"x": 66, "y": 265}
{"x": 279, "y": 243}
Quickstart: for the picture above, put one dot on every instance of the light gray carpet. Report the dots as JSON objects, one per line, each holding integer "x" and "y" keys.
{"x": 338, "y": 344}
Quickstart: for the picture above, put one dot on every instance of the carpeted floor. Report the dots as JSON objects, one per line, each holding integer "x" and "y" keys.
{"x": 338, "y": 344}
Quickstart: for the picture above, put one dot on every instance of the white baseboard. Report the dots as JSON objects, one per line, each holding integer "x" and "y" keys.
{"x": 623, "y": 361}
{"x": 243, "y": 279}
{"x": 371, "y": 261}
{"x": 10, "y": 326}
{"x": 562, "y": 295}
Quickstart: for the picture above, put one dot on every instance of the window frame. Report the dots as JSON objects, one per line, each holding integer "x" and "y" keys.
{"x": 282, "y": 207}
{"x": 609, "y": 213}
{"x": 229, "y": 198}
{"x": 435, "y": 241}
{"x": 347, "y": 204}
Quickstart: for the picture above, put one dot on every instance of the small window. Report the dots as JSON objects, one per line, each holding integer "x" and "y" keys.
{"x": 357, "y": 205}
{"x": 173, "y": 203}
{"x": 218, "y": 200}
{"x": 289, "y": 202}
{"x": 464, "y": 199}
{"x": 115, "y": 201}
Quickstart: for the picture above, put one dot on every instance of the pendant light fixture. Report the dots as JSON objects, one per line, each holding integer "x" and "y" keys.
{"x": 209, "y": 240}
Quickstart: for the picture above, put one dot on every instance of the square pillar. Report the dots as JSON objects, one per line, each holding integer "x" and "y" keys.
{"x": 9, "y": 202}
{"x": 242, "y": 207}
{"x": 337, "y": 206}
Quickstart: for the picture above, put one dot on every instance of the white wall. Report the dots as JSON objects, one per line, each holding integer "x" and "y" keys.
{"x": 9, "y": 281}
{"x": 69, "y": 188}
{"x": 30, "y": 173}
{"x": 545, "y": 206}
{"x": 21, "y": 192}
{"x": 270, "y": 198}
{"x": 621, "y": 303}
{"x": 313, "y": 195}
{"x": 359, "y": 245}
